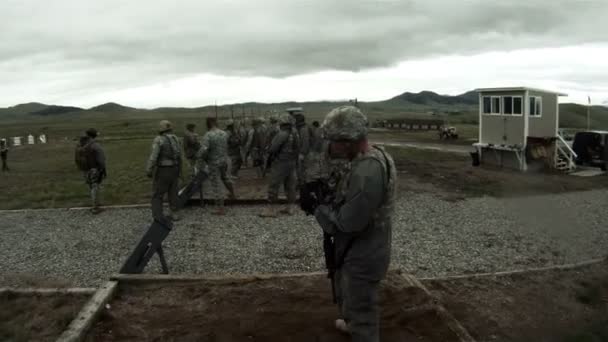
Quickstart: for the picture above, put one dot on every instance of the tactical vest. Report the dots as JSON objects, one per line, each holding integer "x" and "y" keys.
{"x": 169, "y": 154}
{"x": 342, "y": 173}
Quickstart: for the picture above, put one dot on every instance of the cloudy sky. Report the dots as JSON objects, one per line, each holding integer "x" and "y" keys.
{"x": 190, "y": 52}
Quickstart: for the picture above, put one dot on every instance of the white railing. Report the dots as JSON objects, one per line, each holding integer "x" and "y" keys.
{"x": 565, "y": 156}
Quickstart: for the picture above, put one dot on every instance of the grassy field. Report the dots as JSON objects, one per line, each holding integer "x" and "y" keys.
{"x": 44, "y": 176}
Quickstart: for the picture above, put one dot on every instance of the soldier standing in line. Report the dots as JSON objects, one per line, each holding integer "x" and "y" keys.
{"x": 164, "y": 166}
{"x": 255, "y": 145}
{"x": 360, "y": 221}
{"x": 214, "y": 151}
{"x": 234, "y": 149}
{"x": 314, "y": 163}
{"x": 191, "y": 146}
{"x": 304, "y": 136}
{"x": 283, "y": 153}
{"x": 4, "y": 154}
{"x": 91, "y": 159}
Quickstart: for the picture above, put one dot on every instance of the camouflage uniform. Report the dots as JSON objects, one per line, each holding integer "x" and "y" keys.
{"x": 313, "y": 168}
{"x": 256, "y": 139}
{"x": 191, "y": 146}
{"x": 95, "y": 175}
{"x": 214, "y": 151}
{"x": 360, "y": 221}
{"x": 304, "y": 141}
{"x": 284, "y": 148}
{"x": 234, "y": 149}
{"x": 164, "y": 165}
{"x": 4, "y": 155}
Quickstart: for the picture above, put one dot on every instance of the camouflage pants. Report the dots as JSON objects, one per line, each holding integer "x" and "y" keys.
{"x": 313, "y": 167}
{"x": 193, "y": 170}
{"x": 358, "y": 302}
{"x": 282, "y": 173}
{"x": 4, "y": 164}
{"x": 165, "y": 182}
{"x": 218, "y": 175}
{"x": 236, "y": 161}
{"x": 93, "y": 179}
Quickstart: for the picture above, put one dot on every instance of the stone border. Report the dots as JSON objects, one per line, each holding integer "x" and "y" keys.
{"x": 79, "y": 327}
{"x": 48, "y": 291}
{"x": 520, "y": 271}
{"x": 191, "y": 203}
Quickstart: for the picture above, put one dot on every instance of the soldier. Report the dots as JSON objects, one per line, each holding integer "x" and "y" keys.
{"x": 4, "y": 154}
{"x": 304, "y": 136}
{"x": 164, "y": 165}
{"x": 234, "y": 149}
{"x": 359, "y": 219}
{"x": 314, "y": 163}
{"x": 191, "y": 146}
{"x": 95, "y": 166}
{"x": 214, "y": 151}
{"x": 284, "y": 155}
{"x": 273, "y": 129}
{"x": 256, "y": 141}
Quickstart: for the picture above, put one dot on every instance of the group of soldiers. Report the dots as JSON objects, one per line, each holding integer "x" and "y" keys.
{"x": 356, "y": 213}
{"x": 288, "y": 147}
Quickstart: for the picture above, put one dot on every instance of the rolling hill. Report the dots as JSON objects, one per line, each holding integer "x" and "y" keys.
{"x": 456, "y": 109}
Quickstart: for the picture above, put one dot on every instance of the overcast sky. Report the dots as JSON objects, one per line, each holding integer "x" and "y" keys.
{"x": 191, "y": 53}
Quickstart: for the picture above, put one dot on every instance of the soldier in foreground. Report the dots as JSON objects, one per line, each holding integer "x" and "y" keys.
{"x": 359, "y": 219}
{"x": 4, "y": 154}
{"x": 164, "y": 166}
{"x": 214, "y": 151}
{"x": 91, "y": 159}
{"x": 283, "y": 155}
{"x": 234, "y": 149}
{"x": 191, "y": 146}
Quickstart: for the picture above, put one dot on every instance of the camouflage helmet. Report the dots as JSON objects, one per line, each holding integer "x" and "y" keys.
{"x": 287, "y": 119}
{"x": 165, "y": 125}
{"x": 345, "y": 123}
{"x": 274, "y": 119}
{"x": 229, "y": 123}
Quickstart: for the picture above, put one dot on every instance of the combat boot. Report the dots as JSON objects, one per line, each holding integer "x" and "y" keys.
{"x": 96, "y": 210}
{"x": 220, "y": 211}
{"x": 288, "y": 210}
{"x": 268, "y": 212}
{"x": 174, "y": 216}
{"x": 342, "y": 326}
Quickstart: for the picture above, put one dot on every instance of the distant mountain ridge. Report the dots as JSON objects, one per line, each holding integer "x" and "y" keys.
{"x": 431, "y": 98}
{"x": 460, "y": 107}
{"x": 112, "y": 107}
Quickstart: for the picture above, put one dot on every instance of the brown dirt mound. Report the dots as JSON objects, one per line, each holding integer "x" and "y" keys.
{"x": 32, "y": 317}
{"x": 557, "y": 305}
{"x": 286, "y": 309}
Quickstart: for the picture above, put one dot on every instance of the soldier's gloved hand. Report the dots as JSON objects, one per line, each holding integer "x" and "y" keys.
{"x": 324, "y": 215}
{"x": 308, "y": 201}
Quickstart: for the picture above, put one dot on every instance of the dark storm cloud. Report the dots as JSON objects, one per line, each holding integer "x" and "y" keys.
{"x": 98, "y": 45}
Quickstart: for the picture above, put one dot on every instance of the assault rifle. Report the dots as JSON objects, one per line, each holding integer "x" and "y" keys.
{"x": 313, "y": 194}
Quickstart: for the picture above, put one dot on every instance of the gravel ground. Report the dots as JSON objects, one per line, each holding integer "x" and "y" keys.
{"x": 431, "y": 237}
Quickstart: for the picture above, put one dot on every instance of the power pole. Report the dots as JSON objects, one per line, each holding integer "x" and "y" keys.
{"x": 216, "y": 109}
{"x": 588, "y": 112}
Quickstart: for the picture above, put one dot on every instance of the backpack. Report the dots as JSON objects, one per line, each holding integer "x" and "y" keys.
{"x": 84, "y": 156}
